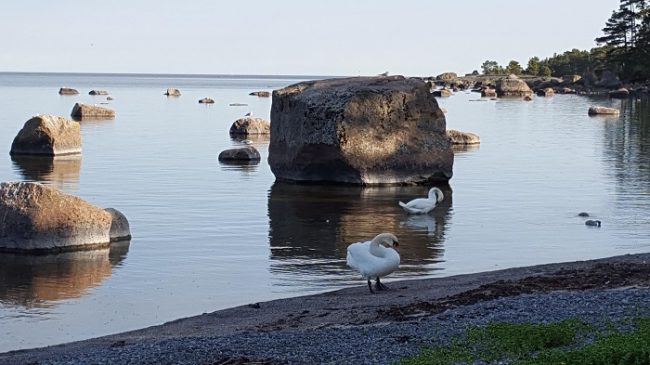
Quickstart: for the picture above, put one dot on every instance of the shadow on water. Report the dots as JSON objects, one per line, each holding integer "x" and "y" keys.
{"x": 312, "y": 225}
{"x": 60, "y": 172}
{"x": 36, "y": 281}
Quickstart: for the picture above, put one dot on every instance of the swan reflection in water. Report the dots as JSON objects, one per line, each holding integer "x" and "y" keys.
{"x": 61, "y": 172}
{"x": 34, "y": 281}
{"x": 311, "y": 226}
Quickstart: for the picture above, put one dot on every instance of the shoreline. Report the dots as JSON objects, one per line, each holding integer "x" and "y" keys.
{"x": 408, "y": 303}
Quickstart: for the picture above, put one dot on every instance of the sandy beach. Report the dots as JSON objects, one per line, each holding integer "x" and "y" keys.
{"x": 408, "y": 303}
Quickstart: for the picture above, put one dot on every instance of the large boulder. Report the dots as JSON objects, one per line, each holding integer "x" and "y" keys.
{"x": 47, "y": 135}
{"x": 512, "y": 86}
{"x": 249, "y": 125}
{"x": 41, "y": 219}
{"x": 68, "y": 91}
{"x": 361, "y": 130}
{"x": 172, "y": 92}
{"x": 458, "y": 137}
{"x": 82, "y": 111}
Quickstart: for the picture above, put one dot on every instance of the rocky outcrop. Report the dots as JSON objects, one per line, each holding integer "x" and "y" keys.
{"x": 458, "y": 137}
{"x": 512, "y": 86}
{"x": 68, "y": 91}
{"x": 98, "y": 92}
{"x": 362, "y": 130}
{"x": 47, "y": 135}
{"x": 206, "y": 101}
{"x": 40, "y": 219}
{"x": 249, "y": 125}
{"x": 120, "y": 229}
{"x": 608, "y": 80}
{"x": 243, "y": 154}
{"x": 261, "y": 94}
{"x": 82, "y": 111}
{"x": 488, "y": 93}
{"x": 601, "y": 110}
{"x": 172, "y": 92}
{"x": 546, "y": 92}
{"x": 447, "y": 76}
{"x": 621, "y": 93}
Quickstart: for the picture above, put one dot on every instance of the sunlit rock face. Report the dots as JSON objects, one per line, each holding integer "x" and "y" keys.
{"x": 47, "y": 135}
{"x": 362, "y": 130}
{"x": 41, "y": 219}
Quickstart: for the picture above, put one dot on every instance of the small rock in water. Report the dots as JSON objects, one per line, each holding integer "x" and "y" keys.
{"x": 592, "y": 223}
{"x": 583, "y": 214}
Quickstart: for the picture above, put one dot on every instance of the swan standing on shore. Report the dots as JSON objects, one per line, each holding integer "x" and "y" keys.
{"x": 374, "y": 259}
{"x": 424, "y": 205}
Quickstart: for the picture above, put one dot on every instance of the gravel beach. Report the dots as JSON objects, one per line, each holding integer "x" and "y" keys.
{"x": 352, "y": 326}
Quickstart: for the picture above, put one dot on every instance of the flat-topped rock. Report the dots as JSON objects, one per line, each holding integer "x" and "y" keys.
{"x": 41, "y": 219}
{"x": 98, "y": 92}
{"x": 47, "y": 135}
{"x": 262, "y": 94}
{"x": 601, "y": 110}
{"x": 241, "y": 154}
{"x": 88, "y": 111}
{"x": 512, "y": 86}
{"x": 206, "y": 101}
{"x": 360, "y": 130}
{"x": 171, "y": 91}
{"x": 458, "y": 137}
{"x": 250, "y": 125}
{"x": 68, "y": 91}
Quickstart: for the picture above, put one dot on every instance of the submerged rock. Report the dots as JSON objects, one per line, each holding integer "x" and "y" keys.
{"x": 172, "y": 92}
{"x": 512, "y": 86}
{"x": 68, "y": 91}
{"x": 262, "y": 94}
{"x": 47, "y": 135}
{"x": 249, "y": 125}
{"x": 41, "y": 219}
{"x": 245, "y": 154}
{"x": 598, "y": 110}
{"x": 206, "y": 101}
{"x": 87, "y": 111}
{"x": 361, "y": 130}
{"x": 458, "y": 137}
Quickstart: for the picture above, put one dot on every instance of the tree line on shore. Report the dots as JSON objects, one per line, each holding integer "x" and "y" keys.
{"x": 624, "y": 48}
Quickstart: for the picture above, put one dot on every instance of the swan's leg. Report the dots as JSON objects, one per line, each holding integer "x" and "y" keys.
{"x": 379, "y": 285}
{"x": 370, "y": 287}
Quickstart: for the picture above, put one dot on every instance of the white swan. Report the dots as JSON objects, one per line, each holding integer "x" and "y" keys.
{"x": 422, "y": 205}
{"x": 374, "y": 259}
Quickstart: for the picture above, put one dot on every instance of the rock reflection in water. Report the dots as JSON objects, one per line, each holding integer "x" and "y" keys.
{"x": 60, "y": 172}
{"x": 312, "y": 225}
{"x": 37, "y": 281}
{"x": 464, "y": 148}
{"x": 252, "y": 139}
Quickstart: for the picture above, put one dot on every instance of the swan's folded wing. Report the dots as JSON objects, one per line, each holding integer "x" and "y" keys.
{"x": 359, "y": 257}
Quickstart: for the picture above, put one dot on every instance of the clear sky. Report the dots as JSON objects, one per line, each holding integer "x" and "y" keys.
{"x": 297, "y": 37}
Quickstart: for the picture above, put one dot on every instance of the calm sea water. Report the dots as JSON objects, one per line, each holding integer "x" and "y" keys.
{"x": 208, "y": 236}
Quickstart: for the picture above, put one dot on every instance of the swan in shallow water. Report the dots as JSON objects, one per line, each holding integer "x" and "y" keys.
{"x": 424, "y": 205}
{"x": 374, "y": 259}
